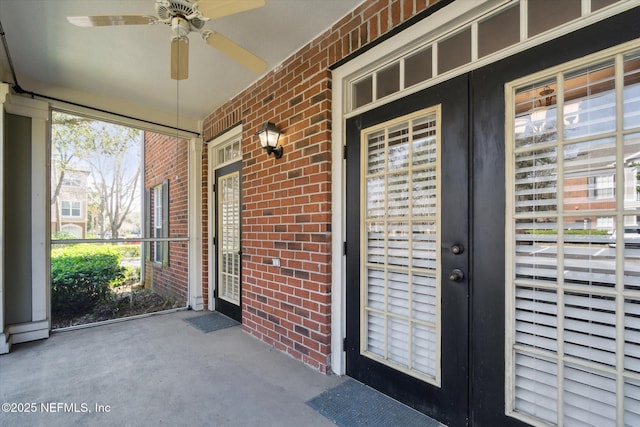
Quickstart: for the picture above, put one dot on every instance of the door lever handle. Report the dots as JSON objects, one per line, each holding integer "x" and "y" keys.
{"x": 456, "y": 275}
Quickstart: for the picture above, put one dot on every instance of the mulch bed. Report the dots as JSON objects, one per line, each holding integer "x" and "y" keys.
{"x": 138, "y": 301}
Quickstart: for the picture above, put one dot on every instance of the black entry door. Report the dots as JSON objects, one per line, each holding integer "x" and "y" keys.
{"x": 227, "y": 198}
{"x": 407, "y": 258}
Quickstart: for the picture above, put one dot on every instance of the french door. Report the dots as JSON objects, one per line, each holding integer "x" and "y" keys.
{"x": 407, "y": 257}
{"x": 228, "y": 290}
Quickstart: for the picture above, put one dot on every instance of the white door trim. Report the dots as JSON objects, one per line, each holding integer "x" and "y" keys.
{"x": 231, "y": 134}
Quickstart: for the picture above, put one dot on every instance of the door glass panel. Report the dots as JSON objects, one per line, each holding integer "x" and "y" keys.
{"x": 590, "y": 397}
{"x": 631, "y": 95}
{"x": 229, "y": 238}
{"x": 537, "y": 378}
{"x": 400, "y": 303}
{"x": 574, "y": 269}
{"x": 589, "y": 180}
{"x": 536, "y": 115}
{"x": 590, "y": 101}
{"x": 535, "y": 181}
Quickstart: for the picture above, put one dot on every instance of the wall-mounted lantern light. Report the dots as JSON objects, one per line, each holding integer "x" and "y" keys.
{"x": 269, "y": 135}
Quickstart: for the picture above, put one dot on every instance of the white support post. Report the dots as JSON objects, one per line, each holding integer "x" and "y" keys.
{"x": 4, "y": 339}
{"x": 195, "y": 224}
{"x": 39, "y": 325}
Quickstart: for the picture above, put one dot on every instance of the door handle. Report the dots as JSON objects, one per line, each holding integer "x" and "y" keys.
{"x": 456, "y": 275}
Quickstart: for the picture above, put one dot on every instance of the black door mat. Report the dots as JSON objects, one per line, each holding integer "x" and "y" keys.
{"x": 211, "y": 322}
{"x": 353, "y": 404}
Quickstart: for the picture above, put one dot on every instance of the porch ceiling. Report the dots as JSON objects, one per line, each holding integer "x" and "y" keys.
{"x": 126, "y": 69}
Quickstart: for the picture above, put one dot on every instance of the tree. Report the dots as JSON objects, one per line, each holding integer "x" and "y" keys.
{"x": 71, "y": 139}
{"x": 115, "y": 168}
{"x": 111, "y": 153}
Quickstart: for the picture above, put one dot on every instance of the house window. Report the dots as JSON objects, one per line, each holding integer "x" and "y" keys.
{"x": 70, "y": 209}
{"x": 72, "y": 180}
{"x": 602, "y": 187}
{"x": 573, "y": 300}
{"x": 604, "y": 223}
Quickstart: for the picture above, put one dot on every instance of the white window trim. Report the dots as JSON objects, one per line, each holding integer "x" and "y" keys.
{"x": 213, "y": 145}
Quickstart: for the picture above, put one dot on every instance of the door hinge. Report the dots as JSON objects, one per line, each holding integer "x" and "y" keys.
{"x": 344, "y": 152}
{"x": 344, "y": 248}
{"x": 215, "y": 241}
{"x": 344, "y": 344}
{"x": 213, "y": 188}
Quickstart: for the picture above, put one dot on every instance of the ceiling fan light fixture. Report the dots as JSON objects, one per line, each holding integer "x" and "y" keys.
{"x": 180, "y": 26}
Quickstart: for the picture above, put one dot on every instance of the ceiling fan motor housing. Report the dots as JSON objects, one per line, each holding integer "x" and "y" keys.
{"x": 189, "y": 18}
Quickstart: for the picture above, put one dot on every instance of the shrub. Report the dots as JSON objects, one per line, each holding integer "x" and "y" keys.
{"x": 81, "y": 276}
{"x": 130, "y": 250}
{"x": 62, "y": 235}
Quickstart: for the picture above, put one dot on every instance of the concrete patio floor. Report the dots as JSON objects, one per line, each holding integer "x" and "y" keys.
{"x": 158, "y": 370}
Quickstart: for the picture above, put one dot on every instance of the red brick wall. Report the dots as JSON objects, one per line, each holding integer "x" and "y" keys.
{"x": 167, "y": 158}
{"x": 287, "y": 202}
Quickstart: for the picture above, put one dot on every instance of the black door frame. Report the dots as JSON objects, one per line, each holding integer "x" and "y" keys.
{"x": 449, "y": 403}
{"x": 231, "y": 310}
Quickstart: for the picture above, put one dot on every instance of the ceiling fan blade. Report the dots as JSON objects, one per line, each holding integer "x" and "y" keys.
{"x": 214, "y": 9}
{"x": 110, "y": 20}
{"x": 235, "y": 51}
{"x": 179, "y": 58}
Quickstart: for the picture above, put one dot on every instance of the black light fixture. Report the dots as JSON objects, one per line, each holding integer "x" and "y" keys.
{"x": 269, "y": 135}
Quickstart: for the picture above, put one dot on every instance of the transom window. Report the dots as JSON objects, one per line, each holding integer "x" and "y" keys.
{"x": 229, "y": 152}
{"x": 573, "y": 248}
{"x": 509, "y": 26}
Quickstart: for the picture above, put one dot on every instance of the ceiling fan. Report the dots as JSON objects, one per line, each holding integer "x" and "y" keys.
{"x": 185, "y": 16}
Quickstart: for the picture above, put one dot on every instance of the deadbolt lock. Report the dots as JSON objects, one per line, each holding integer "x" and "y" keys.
{"x": 456, "y": 275}
{"x": 457, "y": 249}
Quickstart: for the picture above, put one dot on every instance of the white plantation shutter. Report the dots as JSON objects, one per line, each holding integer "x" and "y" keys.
{"x": 400, "y": 304}
{"x": 573, "y": 285}
{"x": 229, "y": 237}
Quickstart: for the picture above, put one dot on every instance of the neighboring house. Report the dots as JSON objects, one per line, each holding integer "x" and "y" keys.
{"x": 69, "y": 211}
{"x": 421, "y": 141}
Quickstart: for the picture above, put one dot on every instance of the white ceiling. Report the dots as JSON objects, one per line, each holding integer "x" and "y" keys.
{"x": 125, "y": 69}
